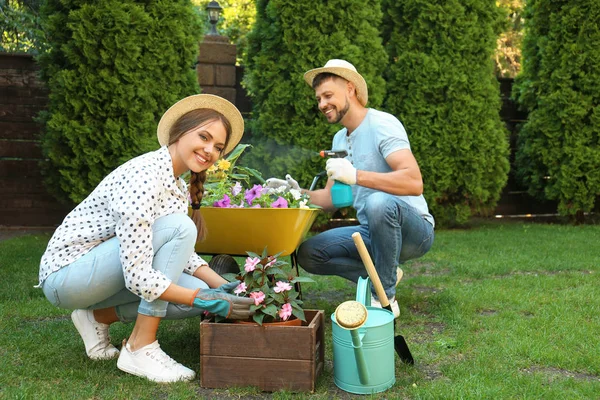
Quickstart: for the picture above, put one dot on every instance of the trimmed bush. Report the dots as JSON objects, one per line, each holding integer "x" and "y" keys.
{"x": 441, "y": 85}
{"x": 289, "y": 38}
{"x": 558, "y": 153}
{"x": 113, "y": 68}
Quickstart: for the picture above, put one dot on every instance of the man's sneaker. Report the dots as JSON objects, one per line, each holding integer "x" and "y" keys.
{"x": 393, "y": 303}
{"x": 94, "y": 335}
{"x": 152, "y": 363}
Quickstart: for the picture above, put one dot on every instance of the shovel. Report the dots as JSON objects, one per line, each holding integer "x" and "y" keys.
{"x": 399, "y": 342}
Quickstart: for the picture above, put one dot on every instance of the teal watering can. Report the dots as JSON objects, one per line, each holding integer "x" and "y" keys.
{"x": 363, "y": 357}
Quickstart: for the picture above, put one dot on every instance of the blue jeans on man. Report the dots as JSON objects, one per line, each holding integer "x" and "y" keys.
{"x": 394, "y": 233}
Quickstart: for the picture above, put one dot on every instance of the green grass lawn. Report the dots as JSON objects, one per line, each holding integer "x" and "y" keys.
{"x": 504, "y": 310}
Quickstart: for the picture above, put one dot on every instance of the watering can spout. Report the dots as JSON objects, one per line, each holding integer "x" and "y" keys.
{"x": 351, "y": 315}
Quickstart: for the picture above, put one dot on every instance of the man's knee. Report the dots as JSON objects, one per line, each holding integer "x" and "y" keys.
{"x": 305, "y": 256}
{"x": 378, "y": 204}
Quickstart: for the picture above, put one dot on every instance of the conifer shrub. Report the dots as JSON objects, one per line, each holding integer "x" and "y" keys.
{"x": 557, "y": 150}
{"x": 113, "y": 67}
{"x": 441, "y": 85}
{"x": 289, "y": 38}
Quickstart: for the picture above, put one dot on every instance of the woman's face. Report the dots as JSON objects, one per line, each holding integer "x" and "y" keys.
{"x": 199, "y": 148}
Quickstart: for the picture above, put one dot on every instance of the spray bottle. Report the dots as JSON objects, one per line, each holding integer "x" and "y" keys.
{"x": 341, "y": 193}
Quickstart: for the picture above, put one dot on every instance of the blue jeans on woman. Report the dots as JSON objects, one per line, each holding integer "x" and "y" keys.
{"x": 394, "y": 233}
{"x": 96, "y": 281}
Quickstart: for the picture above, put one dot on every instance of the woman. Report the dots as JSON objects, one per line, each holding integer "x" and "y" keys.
{"x": 121, "y": 254}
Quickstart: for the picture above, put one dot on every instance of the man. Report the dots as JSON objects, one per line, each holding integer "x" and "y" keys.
{"x": 395, "y": 223}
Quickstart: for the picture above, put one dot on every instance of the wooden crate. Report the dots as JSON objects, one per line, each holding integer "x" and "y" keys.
{"x": 268, "y": 357}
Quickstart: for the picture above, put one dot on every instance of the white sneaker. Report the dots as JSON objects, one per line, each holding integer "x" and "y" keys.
{"x": 393, "y": 303}
{"x": 94, "y": 335}
{"x": 152, "y": 363}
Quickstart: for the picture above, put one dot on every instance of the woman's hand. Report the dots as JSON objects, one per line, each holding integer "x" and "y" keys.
{"x": 221, "y": 302}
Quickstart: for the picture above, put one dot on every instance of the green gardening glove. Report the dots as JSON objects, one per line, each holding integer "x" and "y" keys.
{"x": 219, "y": 301}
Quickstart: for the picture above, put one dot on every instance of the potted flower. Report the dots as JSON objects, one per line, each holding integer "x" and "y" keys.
{"x": 266, "y": 280}
{"x": 242, "y": 214}
{"x": 229, "y": 186}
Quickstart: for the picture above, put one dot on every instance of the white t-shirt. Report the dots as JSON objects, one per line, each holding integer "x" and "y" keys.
{"x": 379, "y": 135}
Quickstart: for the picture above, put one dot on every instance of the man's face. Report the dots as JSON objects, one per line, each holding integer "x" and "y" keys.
{"x": 332, "y": 98}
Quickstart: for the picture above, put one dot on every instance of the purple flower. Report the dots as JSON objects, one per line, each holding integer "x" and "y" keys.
{"x": 253, "y": 193}
{"x": 223, "y": 203}
{"x": 279, "y": 203}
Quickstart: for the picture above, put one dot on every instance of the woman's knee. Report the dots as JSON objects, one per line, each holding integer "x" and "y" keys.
{"x": 181, "y": 224}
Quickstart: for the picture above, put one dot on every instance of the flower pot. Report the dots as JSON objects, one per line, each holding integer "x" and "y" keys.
{"x": 238, "y": 230}
{"x": 270, "y": 357}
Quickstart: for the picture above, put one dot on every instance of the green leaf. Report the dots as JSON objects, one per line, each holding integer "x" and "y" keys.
{"x": 298, "y": 313}
{"x": 271, "y": 310}
{"x": 302, "y": 279}
{"x": 258, "y": 318}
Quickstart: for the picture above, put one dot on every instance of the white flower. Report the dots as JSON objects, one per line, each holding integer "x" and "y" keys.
{"x": 296, "y": 194}
{"x": 302, "y": 204}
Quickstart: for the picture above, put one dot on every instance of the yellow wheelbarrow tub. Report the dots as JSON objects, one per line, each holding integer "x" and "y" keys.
{"x": 238, "y": 230}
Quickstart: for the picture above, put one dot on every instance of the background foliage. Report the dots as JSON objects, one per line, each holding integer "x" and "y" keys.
{"x": 113, "y": 68}
{"x": 290, "y": 38}
{"x": 441, "y": 85}
{"x": 20, "y": 23}
{"x": 508, "y": 44}
{"x": 558, "y": 154}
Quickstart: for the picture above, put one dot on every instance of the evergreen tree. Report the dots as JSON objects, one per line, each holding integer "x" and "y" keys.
{"x": 558, "y": 153}
{"x": 441, "y": 85}
{"x": 291, "y": 37}
{"x": 113, "y": 68}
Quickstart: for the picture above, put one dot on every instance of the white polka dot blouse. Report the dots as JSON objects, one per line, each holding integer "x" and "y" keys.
{"x": 124, "y": 204}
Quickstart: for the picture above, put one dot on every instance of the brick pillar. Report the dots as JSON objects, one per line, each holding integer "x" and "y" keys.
{"x": 216, "y": 67}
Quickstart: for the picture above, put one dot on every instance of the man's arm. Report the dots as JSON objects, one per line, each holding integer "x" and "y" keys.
{"x": 404, "y": 180}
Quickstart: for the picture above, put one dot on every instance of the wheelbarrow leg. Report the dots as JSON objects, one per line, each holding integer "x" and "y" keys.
{"x": 295, "y": 266}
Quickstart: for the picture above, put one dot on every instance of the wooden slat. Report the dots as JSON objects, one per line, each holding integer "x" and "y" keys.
{"x": 20, "y": 149}
{"x": 27, "y": 130}
{"x": 19, "y": 168}
{"x": 17, "y": 61}
{"x": 19, "y": 112}
{"x": 264, "y": 373}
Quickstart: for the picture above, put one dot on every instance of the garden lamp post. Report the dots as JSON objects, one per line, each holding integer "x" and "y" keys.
{"x": 214, "y": 11}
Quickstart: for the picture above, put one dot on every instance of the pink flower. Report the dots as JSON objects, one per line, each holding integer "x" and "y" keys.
{"x": 223, "y": 203}
{"x": 279, "y": 203}
{"x": 272, "y": 261}
{"x": 251, "y": 263}
{"x": 241, "y": 288}
{"x": 285, "y": 312}
{"x": 253, "y": 193}
{"x": 236, "y": 189}
{"x": 282, "y": 287}
{"x": 259, "y": 297}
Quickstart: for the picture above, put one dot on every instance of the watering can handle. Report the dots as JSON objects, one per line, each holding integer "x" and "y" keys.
{"x": 363, "y": 291}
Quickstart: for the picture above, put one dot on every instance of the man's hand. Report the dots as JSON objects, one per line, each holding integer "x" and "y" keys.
{"x": 219, "y": 301}
{"x": 341, "y": 170}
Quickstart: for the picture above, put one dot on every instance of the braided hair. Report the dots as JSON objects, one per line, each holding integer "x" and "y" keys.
{"x": 183, "y": 125}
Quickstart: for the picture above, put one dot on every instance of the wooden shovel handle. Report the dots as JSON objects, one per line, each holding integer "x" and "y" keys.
{"x": 366, "y": 259}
